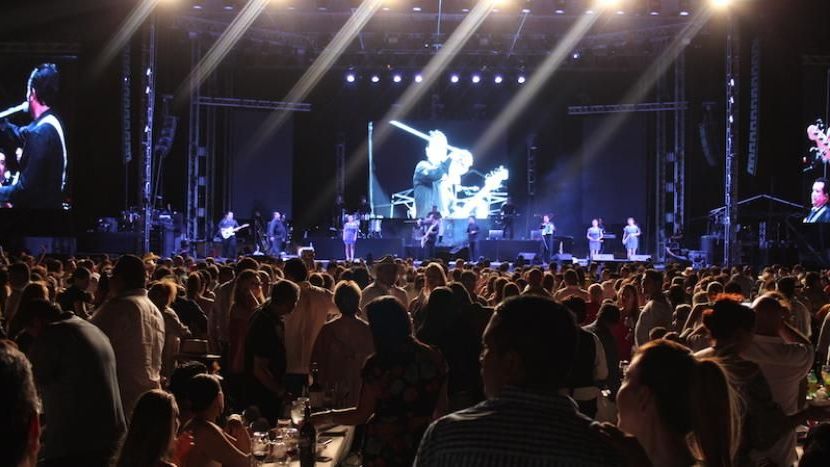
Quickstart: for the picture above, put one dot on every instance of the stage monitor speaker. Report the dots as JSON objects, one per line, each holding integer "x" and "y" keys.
{"x": 641, "y": 258}
{"x": 603, "y": 257}
{"x": 527, "y": 256}
{"x": 563, "y": 257}
{"x": 495, "y": 235}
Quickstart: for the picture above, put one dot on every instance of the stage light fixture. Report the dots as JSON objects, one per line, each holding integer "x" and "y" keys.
{"x": 655, "y": 7}
{"x": 498, "y": 79}
{"x": 197, "y": 6}
{"x": 350, "y": 78}
{"x": 416, "y": 8}
{"x": 418, "y": 78}
{"x": 454, "y": 79}
{"x": 559, "y": 7}
{"x": 521, "y": 79}
{"x": 375, "y": 79}
{"x": 721, "y": 3}
{"x": 576, "y": 55}
{"x": 397, "y": 78}
{"x": 683, "y": 8}
{"x": 476, "y": 79}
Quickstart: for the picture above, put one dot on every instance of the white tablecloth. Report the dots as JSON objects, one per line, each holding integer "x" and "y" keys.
{"x": 336, "y": 450}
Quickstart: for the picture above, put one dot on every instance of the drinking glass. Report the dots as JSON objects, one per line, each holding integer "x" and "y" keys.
{"x": 260, "y": 444}
{"x": 298, "y": 410}
{"x": 279, "y": 450}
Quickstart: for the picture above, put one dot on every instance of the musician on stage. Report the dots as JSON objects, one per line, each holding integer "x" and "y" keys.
{"x": 276, "y": 235}
{"x": 428, "y": 174}
{"x": 364, "y": 211}
{"x": 631, "y": 237}
{"x": 472, "y": 237}
{"x": 819, "y": 197}
{"x": 594, "y": 236}
{"x": 350, "y": 230}
{"x": 548, "y": 229}
{"x": 44, "y": 160}
{"x": 228, "y": 225}
{"x": 338, "y": 213}
{"x": 508, "y": 214}
{"x": 430, "y": 237}
{"x": 436, "y": 214}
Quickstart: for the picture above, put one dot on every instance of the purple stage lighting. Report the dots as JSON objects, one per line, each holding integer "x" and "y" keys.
{"x": 454, "y": 79}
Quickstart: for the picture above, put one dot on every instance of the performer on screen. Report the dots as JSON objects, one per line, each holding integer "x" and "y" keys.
{"x": 276, "y": 235}
{"x": 44, "y": 160}
{"x": 472, "y": 237}
{"x": 631, "y": 237}
{"x": 820, "y": 212}
{"x": 350, "y": 229}
{"x": 548, "y": 229}
{"x": 428, "y": 174}
{"x": 227, "y": 228}
{"x": 594, "y": 236}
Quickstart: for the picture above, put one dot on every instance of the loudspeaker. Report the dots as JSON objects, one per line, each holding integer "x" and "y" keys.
{"x": 640, "y": 258}
{"x": 603, "y": 257}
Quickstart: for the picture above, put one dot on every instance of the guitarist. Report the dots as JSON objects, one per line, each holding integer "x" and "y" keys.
{"x": 229, "y": 243}
{"x": 430, "y": 237}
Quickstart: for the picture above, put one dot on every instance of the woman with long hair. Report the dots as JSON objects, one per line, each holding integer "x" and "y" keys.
{"x": 675, "y": 410}
{"x": 403, "y": 390}
{"x": 151, "y": 439}
{"x": 623, "y": 331}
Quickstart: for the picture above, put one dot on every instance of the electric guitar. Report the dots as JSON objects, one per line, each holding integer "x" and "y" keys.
{"x": 818, "y": 134}
{"x": 430, "y": 230}
{"x": 229, "y": 232}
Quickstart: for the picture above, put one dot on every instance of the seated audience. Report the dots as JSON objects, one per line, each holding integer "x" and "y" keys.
{"x": 151, "y": 439}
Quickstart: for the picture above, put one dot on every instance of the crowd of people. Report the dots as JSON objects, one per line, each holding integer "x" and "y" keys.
{"x": 441, "y": 364}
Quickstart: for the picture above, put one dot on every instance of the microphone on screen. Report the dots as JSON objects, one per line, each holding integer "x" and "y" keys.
{"x": 24, "y": 107}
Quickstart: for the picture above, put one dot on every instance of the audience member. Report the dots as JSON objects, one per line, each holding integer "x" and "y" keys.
{"x": 343, "y": 345}
{"x": 656, "y": 312}
{"x": 20, "y": 426}
{"x": 571, "y": 288}
{"x": 151, "y": 440}
{"x": 603, "y": 327}
{"x": 76, "y": 297}
{"x": 162, "y": 294}
{"x": 386, "y": 275}
{"x": 529, "y": 348}
{"x": 135, "y": 328}
{"x": 589, "y": 367}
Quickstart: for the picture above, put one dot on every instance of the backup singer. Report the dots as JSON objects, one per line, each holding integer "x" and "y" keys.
{"x": 276, "y": 235}
{"x": 44, "y": 160}
{"x": 631, "y": 237}
{"x": 594, "y": 236}
{"x": 229, "y": 242}
{"x": 819, "y": 197}
{"x": 350, "y": 229}
{"x": 547, "y": 237}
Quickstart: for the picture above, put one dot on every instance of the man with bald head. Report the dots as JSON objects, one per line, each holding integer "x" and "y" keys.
{"x": 785, "y": 356}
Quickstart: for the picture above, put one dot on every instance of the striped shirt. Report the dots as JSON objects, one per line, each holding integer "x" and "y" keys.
{"x": 517, "y": 428}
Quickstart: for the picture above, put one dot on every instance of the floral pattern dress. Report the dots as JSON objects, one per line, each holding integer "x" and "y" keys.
{"x": 409, "y": 385}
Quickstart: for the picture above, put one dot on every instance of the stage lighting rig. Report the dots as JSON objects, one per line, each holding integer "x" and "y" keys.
{"x": 655, "y": 7}
{"x": 559, "y": 7}
{"x": 521, "y": 79}
{"x": 683, "y": 8}
{"x": 454, "y": 79}
{"x": 375, "y": 79}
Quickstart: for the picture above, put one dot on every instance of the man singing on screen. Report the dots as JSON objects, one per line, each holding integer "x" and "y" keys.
{"x": 44, "y": 160}
{"x": 820, "y": 212}
{"x": 428, "y": 174}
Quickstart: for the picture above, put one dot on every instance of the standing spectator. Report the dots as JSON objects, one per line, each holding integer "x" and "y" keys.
{"x": 303, "y": 325}
{"x": 785, "y": 357}
{"x": 218, "y": 328}
{"x": 534, "y": 283}
{"x": 135, "y": 328}
{"x": 20, "y": 427}
{"x": 162, "y": 294}
{"x": 195, "y": 289}
{"x": 386, "y": 275}
{"x": 800, "y": 316}
{"x": 265, "y": 352}
{"x": 343, "y": 345}
{"x": 404, "y": 387}
{"x": 571, "y": 288}
{"x": 589, "y": 366}
{"x": 607, "y": 320}
{"x": 75, "y": 298}
{"x": 19, "y": 277}
{"x": 657, "y": 312}
{"x": 247, "y": 297}
{"x": 529, "y": 348}
{"x": 75, "y": 371}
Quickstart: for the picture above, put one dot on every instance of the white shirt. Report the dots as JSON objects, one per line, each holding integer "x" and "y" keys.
{"x": 302, "y": 326}
{"x": 656, "y": 313}
{"x": 800, "y": 318}
{"x": 600, "y": 373}
{"x": 376, "y": 289}
{"x": 784, "y": 365}
{"x": 135, "y": 329}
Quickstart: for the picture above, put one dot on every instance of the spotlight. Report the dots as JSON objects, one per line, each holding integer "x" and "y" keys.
{"x": 476, "y": 79}
{"x": 654, "y": 7}
{"x": 350, "y": 78}
{"x": 526, "y": 11}
{"x": 375, "y": 79}
{"x": 576, "y": 55}
{"x": 416, "y": 8}
{"x": 454, "y": 79}
{"x": 721, "y": 3}
{"x": 521, "y": 79}
{"x": 559, "y": 7}
{"x": 396, "y": 78}
{"x": 683, "y": 7}
{"x": 498, "y": 79}
{"x": 418, "y": 78}
{"x": 197, "y": 6}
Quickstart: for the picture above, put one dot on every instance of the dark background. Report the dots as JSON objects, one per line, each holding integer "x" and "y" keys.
{"x": 793, "y": 94}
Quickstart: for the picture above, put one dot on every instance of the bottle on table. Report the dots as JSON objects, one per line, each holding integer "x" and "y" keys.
{"x": 315, "y": 390}
{"x": 308, "y": 440}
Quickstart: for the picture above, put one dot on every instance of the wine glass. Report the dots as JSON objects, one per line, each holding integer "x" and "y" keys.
{"x": 298, "y": 410}
{"x": 279, "y": 450}
{"x": 260, "y": 443}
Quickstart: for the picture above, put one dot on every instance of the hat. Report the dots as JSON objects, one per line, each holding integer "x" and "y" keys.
{"x": 150, "y": 257}
{"x": 386, "y": 261}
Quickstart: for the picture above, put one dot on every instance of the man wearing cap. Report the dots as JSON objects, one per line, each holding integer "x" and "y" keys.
{"x": 386, "y": 274}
